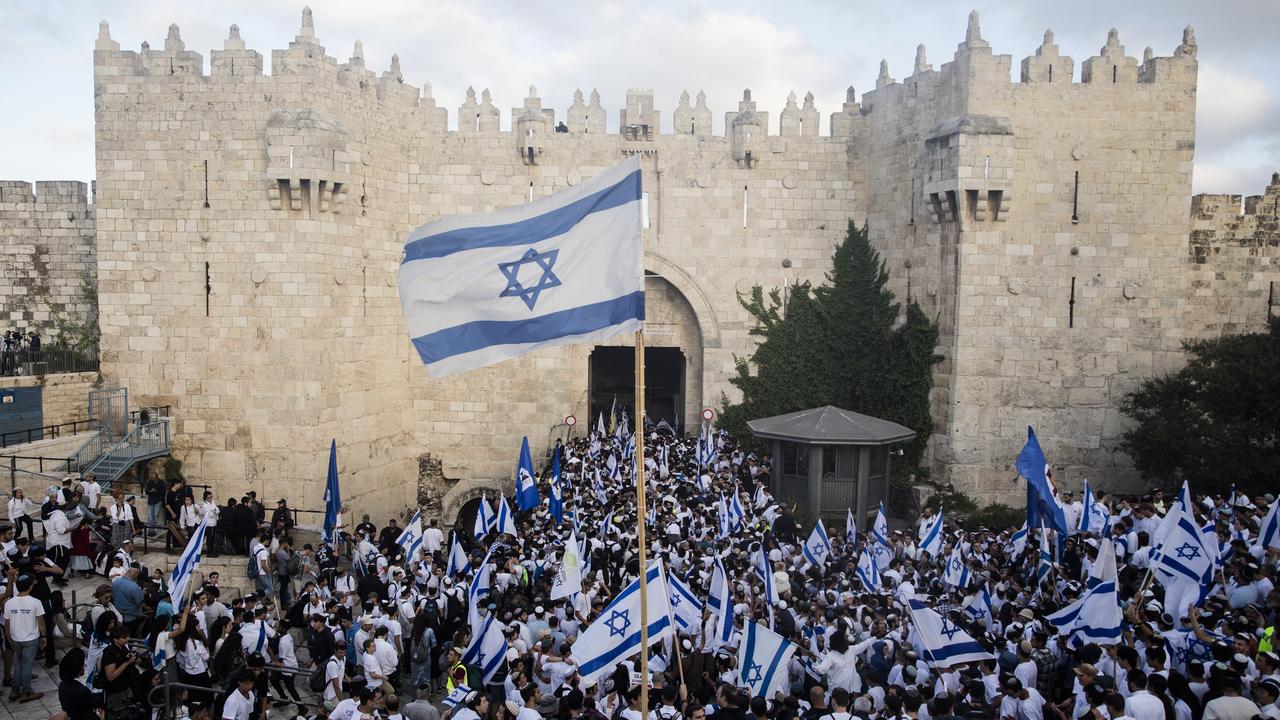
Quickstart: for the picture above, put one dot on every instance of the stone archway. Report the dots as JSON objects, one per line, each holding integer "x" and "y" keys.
{"x": 708, "y": 325}
{"x": 466, "y": 491}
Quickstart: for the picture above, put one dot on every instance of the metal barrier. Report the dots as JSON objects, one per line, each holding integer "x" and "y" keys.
{"x": 51, "y": 360}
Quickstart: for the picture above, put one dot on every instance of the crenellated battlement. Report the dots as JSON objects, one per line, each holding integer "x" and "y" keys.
{"x": 70, "y": 193}
{"x": 1232, "y": 219}
{"x": 305, "y": 57}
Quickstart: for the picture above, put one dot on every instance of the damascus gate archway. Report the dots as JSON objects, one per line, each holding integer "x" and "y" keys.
{"x": 673, "y": 337}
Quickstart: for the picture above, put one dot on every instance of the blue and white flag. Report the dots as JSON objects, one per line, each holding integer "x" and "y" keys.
{"x": 567, "y": 268}
{"x": 818, "y": 547}
{"x": 600, "y": 430}
{"x": 1042, "y": 505}
{"x": 943, "y": 643}
{"x": 488, "y": 648}
{"x": 459, "y": 563}
{"x": 568, "y": 580}
{"x": 332, "y": 497}
{"x": 980, "y": 607}
{"x": 720, "y": 599}
{"x": 598, "y": 487}
{"x": 614, "y": 636}
{"x": 763, "y": 656}
{"x": 737, "y": 515}
{"x": 411, "y": 539}
{"x": 1269, "y": 530}
{"x": 1180, "y": 506}
{"x": 1186, "y": 565}
{"x": 556, "y": 501}
{"x": 180, "y": 578}
{"x": 850, "y": 528}
{"x": 957, "y": 572}
{"x": 485, "y": 519}
{"x": 1044, "y": 565}
{"x": 460, "y": 693}
{"x": 764, "y": 569}
{"x": 931, "y": 535}
{"x": 1018, "y": 541}
{"x": 606, "y": 525}
{"x": 479, "y": 589}
{"x": 505, "y": 523}
{"x": 723, "y": 521}
{"x": 686, "y": 608}
{"x": 527, "y": 497}
{"x": 880, "y": 539}
{"x": 612, "y": 466}
{"x": 1096, "y": 616}
{"x": 1094, "y": 517}
{"x": 869, "y": 569}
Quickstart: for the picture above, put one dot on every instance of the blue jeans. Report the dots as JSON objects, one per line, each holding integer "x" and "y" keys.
{"x": 24, "y": 660}
{"x": 264, "y": 585}
{"x": 155, "y": 514}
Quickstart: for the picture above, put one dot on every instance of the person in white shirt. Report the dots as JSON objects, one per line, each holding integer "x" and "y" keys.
{"x": 432, "y": 538}
{"x": 1142, "y": 705}
{"x": 189, "y": 516}
{"x": 92, "y": 491}
{"x": 373, "y": 676}
{"x": 240, "y": 703}
{"x": 20, "y": 514}
{"x": 24, "y": 621}
{"x": 57, "y": 528}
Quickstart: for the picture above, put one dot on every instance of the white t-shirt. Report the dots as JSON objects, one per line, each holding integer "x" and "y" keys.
{"x": 332, "y": 671}
{"x": 369, "y": 662}
{"x": 238, "y": 706}
{"x": 21, "y": 613}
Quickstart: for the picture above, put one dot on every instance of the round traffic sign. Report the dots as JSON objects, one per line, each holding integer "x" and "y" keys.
{"x": 571, "y": 421}
{"x": 707, "y": 414}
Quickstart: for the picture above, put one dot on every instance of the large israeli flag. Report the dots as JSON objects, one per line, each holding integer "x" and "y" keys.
{"x": 980, "y": 607}
{"x": 479, "y": 289}
{"x": 869, "y": 570}
{"x": 488, "y": 648}
{"x": 957, "y": 573}
{"x": 180, "y": 578}
{"x": 614, "y": 636}
{"x": 1186, "y": 565}
{"x": 720, "y": 599}
{"x": 763, "y": 657}
{"x": 943, "y": 642}
{"x": 1095, "y": 517}
{"x": 1096, "y": 616}
{"x": 411, "y": 539}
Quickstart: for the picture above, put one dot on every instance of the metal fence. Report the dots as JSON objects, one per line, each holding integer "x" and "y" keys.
{"x": 49, "y": 361}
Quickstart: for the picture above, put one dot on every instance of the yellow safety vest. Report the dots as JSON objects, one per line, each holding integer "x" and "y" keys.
{"x": 450, "y": 684}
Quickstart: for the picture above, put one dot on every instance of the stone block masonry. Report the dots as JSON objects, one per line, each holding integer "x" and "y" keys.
{"x": 249, "y": 230}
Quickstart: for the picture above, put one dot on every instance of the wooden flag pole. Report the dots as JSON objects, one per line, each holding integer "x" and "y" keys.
{"x": 641, "y": 515}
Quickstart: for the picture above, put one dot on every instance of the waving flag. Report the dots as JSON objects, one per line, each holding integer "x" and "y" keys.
{"x": 556, "y": 501}
{"x": 686, "y": 608}
{"x": 763, "y": 656}
{"x": 488, "y": 648}
{"x": 818, "y": 547}
{"x": 1018, "y": 541}
{"x": 479, "y": 589}
{"x": 764, "y": 569}
{"x": 736, "y": 512}
{"x": 479, "y": 289}
{"x": 1186, "y": 565}
{"x": 1045, "y": 564}
{"x": 485, "y": 519}
{"x": 180, "y": 578}
{"x": 943, "y": 643}
{"x": 1094, "y": 518}
{"x": 597, "y": 486}
{"x": 459, "y": 563}
{"x": 526, "y": 488}
{"x": 569, "y": 577}
{"x": 1096, "y": 616}
{"x": 1042, "y": 506}
{"x": 880, "y": 539}
{"x": 869, "y": 570}
{"x": 721, "y": 601}
{"x": 614, "y": 636}
{"x": 850, "y": 528}
{"x": 1269, "y": 530}
{"x": 600, "y": 427}
{"x": 724, "y": 521}
{"x": 612, "y": 466}
{"x": 980, "y": 607}
{"x": 606, "y": 525}
{"x": 505, "y": 523}
{"x": 1180, "y": 507}
{"x": 411, "y": 539}
{"x": 957, "y": 572}
{"x": 931, "y": 535}
{"x": 332, "y": 497}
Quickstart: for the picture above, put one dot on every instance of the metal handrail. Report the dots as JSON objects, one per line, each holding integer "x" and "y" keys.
{"x": 90, "y": 450}
{"x": 152, "y": 436}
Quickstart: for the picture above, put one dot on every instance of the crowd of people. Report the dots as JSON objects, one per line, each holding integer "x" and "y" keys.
{"x": 375, "y": 628}
{"x": 16, "y": 345}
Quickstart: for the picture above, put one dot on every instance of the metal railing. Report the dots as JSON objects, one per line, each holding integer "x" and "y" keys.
{"x": 142, "y": 442}
{"x": 49, "y": 361}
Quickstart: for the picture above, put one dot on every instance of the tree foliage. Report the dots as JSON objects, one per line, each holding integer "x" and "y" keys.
{"x": 1217, "y": 421}
{"x": 838, "y": 345}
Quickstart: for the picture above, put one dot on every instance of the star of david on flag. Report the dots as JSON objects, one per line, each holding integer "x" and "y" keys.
{"x": 567, "y": 268}
{"x": 763, "y": 656}
{"x": 614, "y": 637}
{"x": 942, "y": 642}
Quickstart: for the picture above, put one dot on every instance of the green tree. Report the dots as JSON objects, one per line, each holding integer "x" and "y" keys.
{"x": 838, "y": 345}
{"x": 1216, "y": 422}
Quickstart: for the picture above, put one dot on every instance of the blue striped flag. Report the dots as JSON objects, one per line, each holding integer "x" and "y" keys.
{"x": 180, "y": 578}
{"x": 485, "y": 519}
{"x": 943, "y": 642}
{"x": 506, "y": 521}
{"x": 479, "y": 289}
{"x": 818, "y": 547}
{"x": 488, "y": 648}
{"x": 614, "y": 636}
{"x": 459, "y": 563}
{"x": 411, "y": 539}
{"x": 931, "y": 535}
{"x": 686, "y": 608}
{"x": 763, "y": 656}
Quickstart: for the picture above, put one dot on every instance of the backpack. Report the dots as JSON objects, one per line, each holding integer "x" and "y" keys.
{"x": 294, "y": 566}
{"x": 317, "y": 682}
{"x": 253, "y": 569}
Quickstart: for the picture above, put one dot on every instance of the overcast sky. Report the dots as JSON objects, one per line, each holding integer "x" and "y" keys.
{"x": 772, "y": 47}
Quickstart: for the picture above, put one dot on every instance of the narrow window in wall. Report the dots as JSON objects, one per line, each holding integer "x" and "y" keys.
{"x": 1115, "y": 72}
{"x": 744, "y": 206}
{"x": 801, "y": 132}
{"x": 1271, "y": 299}
{"x": 1075, "y": 200}
{"x": 644, "y": 210}
{"x": 290, "y": 156}
{"x": 530, "y": 191}
{"x": 206, "y": 183}
{"x": 986, "y": 168}
{"x": 208, "y": 289}
{"x": 1071, "y": 305}
{"x": 1050, "y": 73}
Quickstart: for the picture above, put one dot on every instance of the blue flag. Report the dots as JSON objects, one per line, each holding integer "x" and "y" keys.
{"x": 1042, "y": 506}
{"x": 332, "y": 497}
{"x": 556, "y": 502}
{"x": 527, "y": 497}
